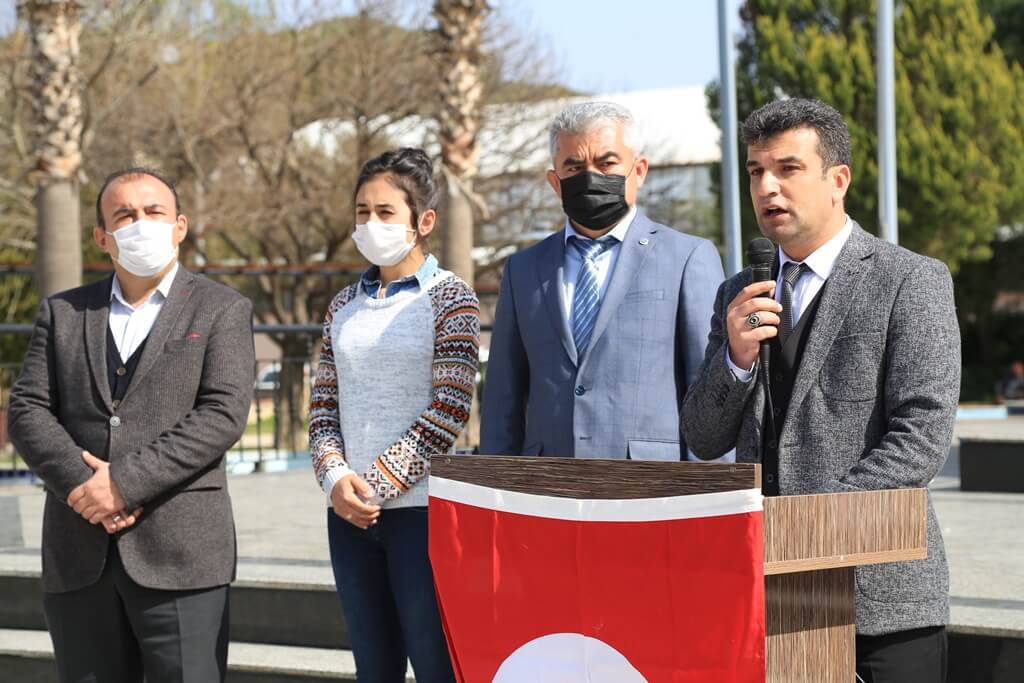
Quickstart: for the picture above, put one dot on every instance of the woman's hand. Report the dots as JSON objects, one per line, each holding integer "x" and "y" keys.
{"x": 347, "y": 499}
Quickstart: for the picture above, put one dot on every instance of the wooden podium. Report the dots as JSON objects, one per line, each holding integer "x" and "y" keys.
{"x": 811, "y": 543}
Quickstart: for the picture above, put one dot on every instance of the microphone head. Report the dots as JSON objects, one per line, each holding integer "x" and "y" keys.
{"x": 760, "y": 252}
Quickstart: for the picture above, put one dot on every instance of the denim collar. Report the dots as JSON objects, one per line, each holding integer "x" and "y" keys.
{"x": 370, "y": 280}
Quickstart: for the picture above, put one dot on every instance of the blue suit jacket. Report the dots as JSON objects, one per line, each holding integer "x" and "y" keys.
{"x": 622, "y": 399}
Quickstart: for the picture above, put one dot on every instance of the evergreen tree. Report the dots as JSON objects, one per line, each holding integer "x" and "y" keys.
{"x": 1008, "y": 17}
{"x": 959, "y": 110}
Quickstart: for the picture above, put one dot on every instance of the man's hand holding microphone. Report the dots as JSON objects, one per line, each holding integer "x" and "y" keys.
{"x": 753, "y": 316}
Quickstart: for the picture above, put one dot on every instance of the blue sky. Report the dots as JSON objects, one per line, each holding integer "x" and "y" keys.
{"x": 610, "y": 46}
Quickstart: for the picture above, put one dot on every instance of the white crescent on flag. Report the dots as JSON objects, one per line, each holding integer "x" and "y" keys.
{"x": 567, "y": 658}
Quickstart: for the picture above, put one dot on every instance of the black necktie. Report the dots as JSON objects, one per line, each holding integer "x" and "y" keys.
{"x": 791, "y": 273}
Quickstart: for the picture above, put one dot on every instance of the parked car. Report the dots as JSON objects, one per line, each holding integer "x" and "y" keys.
{"x": 268, "y": 379}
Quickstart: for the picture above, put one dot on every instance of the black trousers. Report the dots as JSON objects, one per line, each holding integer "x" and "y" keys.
{"x": 116, "y": 631}
{"x": 915, "y": 656}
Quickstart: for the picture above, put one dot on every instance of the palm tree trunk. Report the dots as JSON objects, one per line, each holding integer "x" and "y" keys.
{"x": 54, "y": 27}
{"x": 459, "y": 30}
{"x": 459, "y": 25}
{"x": 457, "y": 227}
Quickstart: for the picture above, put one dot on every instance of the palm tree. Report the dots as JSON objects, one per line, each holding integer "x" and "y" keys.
{"x": 459, "y": 28}
{"x": 57, "y": 125}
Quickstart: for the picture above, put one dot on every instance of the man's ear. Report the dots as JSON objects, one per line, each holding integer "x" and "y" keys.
{"x": 642, "y": 166}
{"x": 100, "y": 237}
{"x": 841, "y": 177}
{"x": 180, "y": 229}
{"x": 555, "y": 182}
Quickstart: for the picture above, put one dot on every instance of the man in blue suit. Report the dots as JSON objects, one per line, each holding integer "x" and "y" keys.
{"x": 601, "y": 327}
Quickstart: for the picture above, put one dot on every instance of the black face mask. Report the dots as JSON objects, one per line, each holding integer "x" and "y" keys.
{"x": 594, "y": 200}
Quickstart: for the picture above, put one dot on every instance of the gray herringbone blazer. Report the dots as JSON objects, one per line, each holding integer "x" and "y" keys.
{"x": 873, "y": 407}
{"x": 187, "y": 403}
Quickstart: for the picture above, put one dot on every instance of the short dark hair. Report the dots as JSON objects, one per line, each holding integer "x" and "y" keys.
{"x": 409, "y": 169}
{"x": 127, "y": 173}
{"x": 784, "y": 115}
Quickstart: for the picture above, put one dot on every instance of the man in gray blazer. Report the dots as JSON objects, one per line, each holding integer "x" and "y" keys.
{"x": 864, "y": 371}
{"x": 601, "y": 327}
{"x": 132, "y": 390}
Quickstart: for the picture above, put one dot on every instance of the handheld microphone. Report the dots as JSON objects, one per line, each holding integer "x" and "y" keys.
{"x": 760, "y": 253}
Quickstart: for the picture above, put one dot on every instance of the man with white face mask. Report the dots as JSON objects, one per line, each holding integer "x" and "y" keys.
{"x": 133, "y": 389}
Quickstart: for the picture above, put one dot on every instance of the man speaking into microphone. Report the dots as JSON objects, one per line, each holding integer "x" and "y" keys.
{"x": 864, "y": 359}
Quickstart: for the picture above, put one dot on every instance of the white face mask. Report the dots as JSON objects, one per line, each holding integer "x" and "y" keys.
{"x": 145, "y": 247}
{"x": 383, "y": 244}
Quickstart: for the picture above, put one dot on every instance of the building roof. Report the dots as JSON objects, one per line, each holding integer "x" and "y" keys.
{"x": 674, "y": 126}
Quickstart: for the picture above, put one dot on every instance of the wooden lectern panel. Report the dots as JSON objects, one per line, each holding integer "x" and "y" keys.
{"x": 810, "y": 627}
{"x": 596, "y": 479}
{"x": 805, "y": 533}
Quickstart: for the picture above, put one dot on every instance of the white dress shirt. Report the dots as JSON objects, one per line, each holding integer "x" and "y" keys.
{"x": 820, "y": 263}
{"x": 130, "y": 326}
{"x": 604, "y": 263}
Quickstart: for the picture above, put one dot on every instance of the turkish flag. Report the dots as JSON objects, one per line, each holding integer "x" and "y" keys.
{"x": 540, "y": 589}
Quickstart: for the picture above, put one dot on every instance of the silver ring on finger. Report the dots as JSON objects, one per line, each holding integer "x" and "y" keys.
{"x": 349, "y": 516}
{"x": 117, "y": 518}
{"x": 754, "y": 320}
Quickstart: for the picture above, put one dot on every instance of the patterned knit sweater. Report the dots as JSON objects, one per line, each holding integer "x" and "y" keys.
{"x": 394, "y": 385}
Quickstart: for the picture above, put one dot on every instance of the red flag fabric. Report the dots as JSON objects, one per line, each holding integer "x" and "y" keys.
{"x": 539, "y": 589}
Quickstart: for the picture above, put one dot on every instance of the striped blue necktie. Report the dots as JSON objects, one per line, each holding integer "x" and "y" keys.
{"x": 586, "y": 300}
{"x": 791, "y": 274}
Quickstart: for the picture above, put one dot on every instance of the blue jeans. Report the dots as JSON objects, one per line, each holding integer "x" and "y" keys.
{"x": 387, "y": 596}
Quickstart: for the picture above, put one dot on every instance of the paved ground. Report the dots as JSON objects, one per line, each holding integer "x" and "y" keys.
{"x": 281, "y": 535}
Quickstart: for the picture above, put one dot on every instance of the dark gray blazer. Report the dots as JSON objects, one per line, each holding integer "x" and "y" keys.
{"x": 622, "y": 399}
{"x": 187, "y": 403}
{"x": 873, "y": 407}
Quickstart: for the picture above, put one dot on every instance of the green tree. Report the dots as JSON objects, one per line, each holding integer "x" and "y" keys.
{"x": 990, "y": 318}
{"x": 1008, "y": 17}
{"x": 959, "y": 110}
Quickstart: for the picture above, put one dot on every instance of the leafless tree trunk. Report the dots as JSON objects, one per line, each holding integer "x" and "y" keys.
{"x": 54, "y": 27}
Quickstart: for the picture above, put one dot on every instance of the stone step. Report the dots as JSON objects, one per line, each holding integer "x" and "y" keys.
{"x": 26, "y": 656}
{"x": 278, "y": 603}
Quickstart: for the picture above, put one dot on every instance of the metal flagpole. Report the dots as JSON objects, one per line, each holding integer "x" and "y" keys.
{"x": 886, "y": 69}
{"x": 730, "y": 155}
